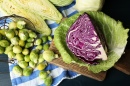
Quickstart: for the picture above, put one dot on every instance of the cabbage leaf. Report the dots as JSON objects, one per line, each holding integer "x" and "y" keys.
{"x": 89, "y": 5}
{"x": 115, "y": 34}
{"x": 61, "y": 2}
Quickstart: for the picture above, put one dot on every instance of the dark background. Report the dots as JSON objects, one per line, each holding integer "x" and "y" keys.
{"x": 119, "y": 10}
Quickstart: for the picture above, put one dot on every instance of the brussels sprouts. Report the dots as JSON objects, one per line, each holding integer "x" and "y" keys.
{"x": 41, "y": 66}
{"x": 23, "y": 34}
{"x": 15, "y": 40}
{"x": 19, "y": 57}
{"x": 50, "y": 38}
{"x": 4, "y": 43}
{"x": 8, "y": 49}
{"x": 46, "y": 46}
{"x": 2, "y": 31}
{"x": 2, "y": 50}
{"x": 23, "y": 64}
{"x": 34, "y": 56}
{"x": 10, "y": 33}
{"x": 30, "y": 40}
{"x": 38, "y": 41}
{"x": 44, "y": 39}
{"x": 21, "y": 24}
{"x": 17, "y": 49}
{"x": 48, "y": 81}
{"x": 27, "y": 71}
{"x": 22, "y": 43}
{"x": 35, "y": 60}
{"x": 17, "y": 70}
{"x": 11, "y": 54}
{"x": 25, "y": 51}
{"x": 32, "y": 34}
{"x": 28, "y": 45}
{"x": 27, "y": 58}
{"x": 32, "y": 64}
{"x": 43, "y": 75}
{"x": 41, "y": 59}
{"x": 48, "y": 55}
{"x": 12, "y": 25}
{"x": 39, "y": 47}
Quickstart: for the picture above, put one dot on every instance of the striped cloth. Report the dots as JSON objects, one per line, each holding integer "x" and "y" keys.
{"x": 57, "y": 73}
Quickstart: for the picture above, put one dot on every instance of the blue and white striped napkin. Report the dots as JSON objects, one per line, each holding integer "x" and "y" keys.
{"x": 57, "y": 73}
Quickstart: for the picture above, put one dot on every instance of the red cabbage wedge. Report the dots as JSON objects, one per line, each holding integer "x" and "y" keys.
{"x": 83, "y": 40}
{"x": 114, "y": 33}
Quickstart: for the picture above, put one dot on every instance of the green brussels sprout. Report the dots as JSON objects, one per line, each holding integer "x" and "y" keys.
{"x": 28, "y": 45}
{"x": 4, "y": 43}
{"x": 39, "y": 47}
{"x": 27, "y": 71}
{"x": 17, "y": 70}
{"x": 35, "y": 60}
{"x": 25, "y": 51}
{"x": 32, "y": 34}
{"x": 2, "y": 50}
{"x": 17, "y": 49}
{"x": 41, "y": 59}
{"x": 46, "y": 46}
{"x": 15, "y": 40}
{"x": 11, "y": 54}
{"x": 38, "y": 41}
{"x": 48, "y": 81}
{"x": 48, "y": 55}
{"x": 44, "y": 39}
{"x": 8, "y": 49}
{"x": 50, "y": 38}
{"x": 12, "y": 25}
{"x": 2, "y": 31}
{"x": 23, "y": 34}
{"x": 30, "y": 40}
{"x": 23, "y": 64}
{"x": 10, "y": 33}
{"x": 19, "y": 56}
{"x": 27, "y": 58}
{"x": 41, "y": 66}
{"x": 34, "y": 56}
{"x": 21, "y": 24}
{"x": 32, "y": 64}
{"x": 22, "y": 43}
{"x": 43, "y": 75}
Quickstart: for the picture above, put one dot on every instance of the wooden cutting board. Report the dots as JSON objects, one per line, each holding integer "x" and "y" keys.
{"x": 74, "y": 67}
{"x": 123, "y": 65}
{"x": 124, "y": 62}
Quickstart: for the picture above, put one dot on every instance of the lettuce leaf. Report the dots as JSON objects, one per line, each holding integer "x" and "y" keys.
{"x": 115, "y": 34}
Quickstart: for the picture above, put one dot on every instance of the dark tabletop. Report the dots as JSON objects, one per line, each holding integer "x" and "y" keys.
{"x": 119, "y": 10}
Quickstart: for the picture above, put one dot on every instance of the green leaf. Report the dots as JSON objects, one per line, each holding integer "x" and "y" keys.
{"x": 115, "y": 34}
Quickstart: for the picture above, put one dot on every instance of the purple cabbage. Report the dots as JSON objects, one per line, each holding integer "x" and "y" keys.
{"x": 83, "y": 40}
